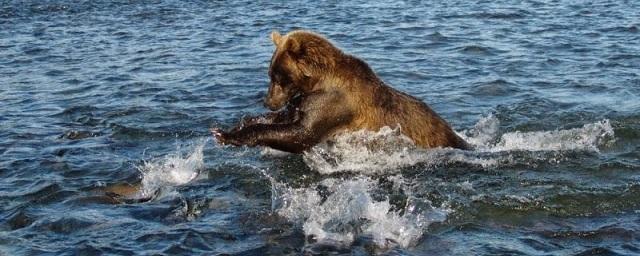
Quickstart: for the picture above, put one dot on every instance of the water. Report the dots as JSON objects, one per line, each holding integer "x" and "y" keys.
{"x": 94, "y": 95}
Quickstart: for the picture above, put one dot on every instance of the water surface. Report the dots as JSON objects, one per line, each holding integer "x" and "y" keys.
{"x": 94, "y": 94}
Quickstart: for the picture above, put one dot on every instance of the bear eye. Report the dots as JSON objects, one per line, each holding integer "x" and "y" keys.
{"x": 279, "y": 78}
{"x": 274, "y": 76}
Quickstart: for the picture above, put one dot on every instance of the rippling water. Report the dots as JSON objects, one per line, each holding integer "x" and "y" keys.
{"x": 109, "y": 93}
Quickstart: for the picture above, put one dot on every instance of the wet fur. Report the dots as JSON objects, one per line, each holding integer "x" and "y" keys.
{"x": 328, "y": 92}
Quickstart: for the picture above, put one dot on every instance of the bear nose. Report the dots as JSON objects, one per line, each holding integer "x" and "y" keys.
{"x": 267, "y": 104}
{"x": 271, "y": 106}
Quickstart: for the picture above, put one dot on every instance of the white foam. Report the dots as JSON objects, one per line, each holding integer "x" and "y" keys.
{"x": 267, "y": 151}
{"x": 484, "y": 136}
{"x": 388, "y": 150}
{"x": 171, "y": 170}
{"x": 364, "y": 151}
{"x": 483, "y": 132}
{"x": 588, "y": 137}
{"x": 350, "y": 210}
{"x": 384, "y": 151}
{"x": 342, "y": 210}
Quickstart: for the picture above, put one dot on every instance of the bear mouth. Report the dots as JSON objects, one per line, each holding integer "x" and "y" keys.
{"x": 292, "y": 101}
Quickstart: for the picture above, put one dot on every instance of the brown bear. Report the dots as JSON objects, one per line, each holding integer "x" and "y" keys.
{"x": 328, "y": 92}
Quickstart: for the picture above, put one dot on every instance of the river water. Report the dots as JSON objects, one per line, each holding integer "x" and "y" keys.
{"x": 97, "y": 94}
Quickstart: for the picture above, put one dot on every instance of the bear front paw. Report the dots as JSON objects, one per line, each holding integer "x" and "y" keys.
{"x": 225, "y": 138}
{"x": 219, "y": 135}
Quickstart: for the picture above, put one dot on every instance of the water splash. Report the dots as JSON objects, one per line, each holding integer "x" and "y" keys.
{"x": 388, "y": 150}
{"x": 589, "y": 137}
{"x": 381, "y": 152}
{"x": 342, "y": 210}
{"x": 171, "y": 170}
{"x": 483, "y": 132}
{"x": 338, "y": 211}
{"x": 363, "y": 151}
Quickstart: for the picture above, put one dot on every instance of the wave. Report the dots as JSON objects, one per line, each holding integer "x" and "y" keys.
{"x": 388, "y": 150}
{"x": 589, "y": 137}
{"x": 342, "y": 210}
{"x": 389, "y": 209}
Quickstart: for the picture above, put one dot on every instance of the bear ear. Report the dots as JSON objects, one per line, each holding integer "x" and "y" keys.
{"x": 297, "y": 50}
{"x": 276, "y": 38}
{"x": 293, "y": 46}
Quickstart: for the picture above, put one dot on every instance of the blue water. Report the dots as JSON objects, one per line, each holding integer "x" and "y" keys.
{"x": 96, "y": 94}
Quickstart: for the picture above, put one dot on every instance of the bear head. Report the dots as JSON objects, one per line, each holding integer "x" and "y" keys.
{"x": 301, "y": 59}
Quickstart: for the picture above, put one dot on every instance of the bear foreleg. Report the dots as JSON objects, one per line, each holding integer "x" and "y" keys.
{"x": 290, "y": 137}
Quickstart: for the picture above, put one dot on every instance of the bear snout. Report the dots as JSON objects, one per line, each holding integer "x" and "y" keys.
{"x": 271, "y": 104}
{"x": 276, "y": 97}
{"x": 268, "y": 105}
